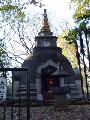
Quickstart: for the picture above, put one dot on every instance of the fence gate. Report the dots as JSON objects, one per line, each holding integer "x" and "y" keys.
{"x": 14, "y": 96}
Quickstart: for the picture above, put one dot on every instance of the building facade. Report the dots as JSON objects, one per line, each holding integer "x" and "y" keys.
{"x": 44, "y": 61}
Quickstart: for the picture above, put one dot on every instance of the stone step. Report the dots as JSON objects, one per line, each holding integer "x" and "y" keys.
{"x": 31, "y": 89}
{"x": 25, "y": 89}
{"x": 25, "y": 86}
{"x": 23, "y": 92}
{"x": 24, "y": 96}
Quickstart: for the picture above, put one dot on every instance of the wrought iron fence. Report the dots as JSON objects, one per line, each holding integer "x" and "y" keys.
{"x": 12, "y": 105}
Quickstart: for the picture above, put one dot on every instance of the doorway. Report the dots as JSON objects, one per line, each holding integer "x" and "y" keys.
{"x": 48, "y": 82}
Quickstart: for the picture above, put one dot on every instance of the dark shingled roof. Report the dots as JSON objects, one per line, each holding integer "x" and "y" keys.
{"x": 32, "y": 62}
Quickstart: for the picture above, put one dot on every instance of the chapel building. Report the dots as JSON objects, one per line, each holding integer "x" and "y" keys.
{"x": 45, "y": 60}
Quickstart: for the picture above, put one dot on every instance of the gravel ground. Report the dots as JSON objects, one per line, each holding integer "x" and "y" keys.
{"x": 75, "y": 112}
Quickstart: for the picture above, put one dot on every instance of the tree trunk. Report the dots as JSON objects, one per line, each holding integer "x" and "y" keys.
{"x": 78, "y": 59}
{"x": 83, "y": 54}
{"x": 87, "y": 44}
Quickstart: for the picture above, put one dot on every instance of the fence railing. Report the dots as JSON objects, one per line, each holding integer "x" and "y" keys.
{"x": 12, "y": 105}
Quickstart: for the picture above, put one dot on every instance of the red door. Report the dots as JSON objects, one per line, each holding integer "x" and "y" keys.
{"x": 48, "y": 83}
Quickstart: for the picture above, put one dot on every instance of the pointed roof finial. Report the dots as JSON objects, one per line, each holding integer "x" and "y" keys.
{"x": 45, "y": 10}
{"x": 45, "y": 24}
{"x": 45, "y": 30}
{"x": 45, "y": 13}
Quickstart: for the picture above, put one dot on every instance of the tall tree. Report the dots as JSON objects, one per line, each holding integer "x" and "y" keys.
{"x": 82, "y": 17}
{"x": 82, "y": 34}
{"x": 16, "y": 29}
{"x": 68, "y": 49}
{"x": 82, "y": 9}
{"x": 72, "y": 37}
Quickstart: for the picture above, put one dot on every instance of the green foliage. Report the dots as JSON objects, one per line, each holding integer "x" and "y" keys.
{"x": 71, "y": 36}
{"x": 82, "y": 11}
{"x": 8, "y": 8}
{"x": 16, "y": 9}
{"x": 20, "y": 14}
{"x": 82, "y": 17}
{"x": 68, "y": 48}
{"x": 81, "y": 2}
{"x": 82, "y": 14}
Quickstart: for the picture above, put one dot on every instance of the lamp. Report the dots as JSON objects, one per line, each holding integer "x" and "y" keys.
{"x": 60, "y": 73}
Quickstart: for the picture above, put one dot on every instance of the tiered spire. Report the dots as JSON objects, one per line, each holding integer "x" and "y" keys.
{"x": 45, "y": 25}
{"x": 45, "y": 30}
